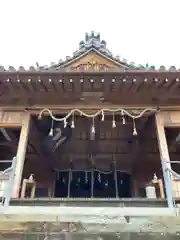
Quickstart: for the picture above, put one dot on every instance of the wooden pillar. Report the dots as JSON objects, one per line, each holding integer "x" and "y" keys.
{"x": 164, "y": 154}
{"x": 21, "y": 154}
{"x": 161, "y": 137}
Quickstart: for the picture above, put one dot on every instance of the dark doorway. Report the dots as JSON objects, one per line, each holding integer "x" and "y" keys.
{"x": 61, "y": 186}
{"x": 124, "y": 183}
{"x": 104, "y": 185}
{"x": 85, "y": 184}
{"x": 80, "y": 186}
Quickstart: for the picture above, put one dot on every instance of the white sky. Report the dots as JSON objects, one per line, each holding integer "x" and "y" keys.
{"x": 143, "y": 31}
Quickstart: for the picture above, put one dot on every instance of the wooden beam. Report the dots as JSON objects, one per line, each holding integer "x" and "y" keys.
{"x": 30, "y": 82}
{"x": 162, "y": 142}
{"x": 136, "y": 84}
{"x": 21, "y": 152}
{"x": 174, "y": 85}
{"x": 61, "y": 108}
{"x": 171, "y": 118}
{"x": 10, "y": 119}
{"x": 165, "y": 159}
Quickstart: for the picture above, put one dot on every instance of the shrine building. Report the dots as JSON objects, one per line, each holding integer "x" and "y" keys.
{"x": 93, "y": 141}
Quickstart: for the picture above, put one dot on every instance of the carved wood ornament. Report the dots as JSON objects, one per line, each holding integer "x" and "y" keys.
{"x": 91, "y": 65}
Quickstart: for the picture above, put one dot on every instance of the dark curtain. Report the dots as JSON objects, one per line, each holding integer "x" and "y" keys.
{"x": 103, "y": 185}
{"x": 124, "y": 185}
{"x": 61, "y": 187}
{"x": 81, "y": 184}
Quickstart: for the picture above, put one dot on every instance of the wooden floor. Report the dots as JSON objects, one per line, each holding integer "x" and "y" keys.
{"x": 86, "y": 202}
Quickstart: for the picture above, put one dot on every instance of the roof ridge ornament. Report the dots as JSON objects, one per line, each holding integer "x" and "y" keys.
{"x": 93, "y": 40}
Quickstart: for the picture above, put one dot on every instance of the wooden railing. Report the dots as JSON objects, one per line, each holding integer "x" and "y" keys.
{"x": 175, "y": 183}
{"x": 172, "y": 183}
{"x": 6, "y": 182}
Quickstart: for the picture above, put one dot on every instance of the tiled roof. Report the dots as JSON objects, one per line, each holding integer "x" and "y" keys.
{"x": 92, "y": 42}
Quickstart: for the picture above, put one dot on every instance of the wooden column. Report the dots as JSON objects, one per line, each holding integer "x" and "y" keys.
{"x": 161, "y": 137}
{"x": 165, "y": 159}
{"x": 21, "y": 153}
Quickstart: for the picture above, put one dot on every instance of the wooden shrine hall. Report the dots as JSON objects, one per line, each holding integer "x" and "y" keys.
{"x": 91, "y": 126}
{"x": 89, "y": 147}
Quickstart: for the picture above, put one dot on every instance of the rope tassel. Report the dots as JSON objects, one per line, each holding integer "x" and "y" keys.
{"x": 134, "y": 128}
{"x": 51, "y": 130}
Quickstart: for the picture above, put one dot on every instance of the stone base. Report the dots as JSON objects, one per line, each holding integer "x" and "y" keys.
{"x": 89, "y": 220}
{"x": 72, "y": 236}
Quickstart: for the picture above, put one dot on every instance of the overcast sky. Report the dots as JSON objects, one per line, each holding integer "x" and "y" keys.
{"x": 142, "y": 31}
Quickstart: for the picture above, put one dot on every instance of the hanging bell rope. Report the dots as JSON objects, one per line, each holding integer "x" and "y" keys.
{"x": 52, "y": 128}
{"x": 134, "y": 128}
{"x": 99, "y": 112}
{"x": 73, "y": 123}
{"x": 113, "y": 121}
{"x": 123, "y": 118}
{"x": 93, "y": 127}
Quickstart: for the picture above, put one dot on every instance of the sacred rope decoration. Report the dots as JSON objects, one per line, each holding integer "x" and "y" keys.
{"x": 101, "y": 112}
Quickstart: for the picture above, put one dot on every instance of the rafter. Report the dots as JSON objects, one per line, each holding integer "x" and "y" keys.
{"x": 45, "y": 87}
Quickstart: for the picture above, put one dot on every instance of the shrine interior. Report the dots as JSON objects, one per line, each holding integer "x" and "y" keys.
{"x": 92, "y": 159}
